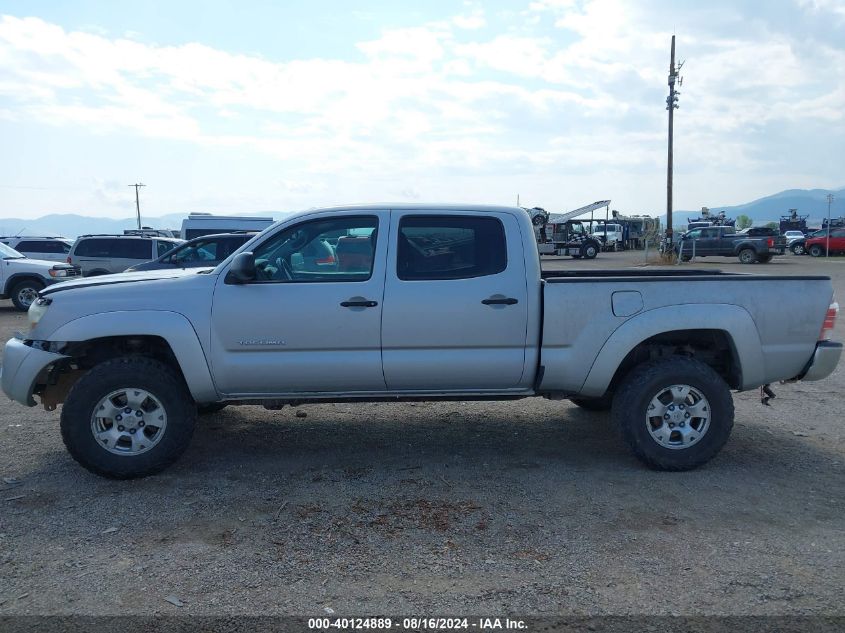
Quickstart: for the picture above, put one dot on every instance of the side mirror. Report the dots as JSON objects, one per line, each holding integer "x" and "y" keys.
{"x": 242, "y": 269}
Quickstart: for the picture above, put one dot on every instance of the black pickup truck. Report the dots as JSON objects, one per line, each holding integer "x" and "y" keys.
{"x": 723, "y": 241}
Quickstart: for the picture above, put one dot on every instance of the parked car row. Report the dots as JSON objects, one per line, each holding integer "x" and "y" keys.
{"x": 816, "y": 244}
{"x": 27, "y": 271}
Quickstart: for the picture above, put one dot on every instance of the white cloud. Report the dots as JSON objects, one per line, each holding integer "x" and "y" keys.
{"x": 566, "y": 87}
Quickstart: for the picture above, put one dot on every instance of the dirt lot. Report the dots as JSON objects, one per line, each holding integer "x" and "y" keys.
{"x": 528, "y": 507}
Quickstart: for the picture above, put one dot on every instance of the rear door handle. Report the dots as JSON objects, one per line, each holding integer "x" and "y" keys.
{"x": 359, "y": 304}
{"x": 509, "y": 301}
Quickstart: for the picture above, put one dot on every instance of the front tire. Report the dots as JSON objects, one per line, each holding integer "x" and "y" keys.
{"x": 747, "y": 256}
{"x": 25, "y": 292}
{"x": 675, "y": 413}
{"x": 128, "y": 417}
{"x": 589, "y": 250}
{"x": 816, "y": 250}
{"x": 797, "y": 249}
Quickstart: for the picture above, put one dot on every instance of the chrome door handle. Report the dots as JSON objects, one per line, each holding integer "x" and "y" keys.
{"x": 509, "y": 301}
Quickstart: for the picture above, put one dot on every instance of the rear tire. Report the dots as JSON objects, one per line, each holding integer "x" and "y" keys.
{"x": 603, "y": 403}
{"x": 747, "y": 256}
{"x": 654, "y": 386}
{"x": 25, "y": 292}
{"x": 816, "y": 250}
{"x": 98, "y": 436}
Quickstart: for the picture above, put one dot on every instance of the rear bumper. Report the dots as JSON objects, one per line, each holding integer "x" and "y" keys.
{"x": 824, "y": 360}
{"x": 21, "y": 366}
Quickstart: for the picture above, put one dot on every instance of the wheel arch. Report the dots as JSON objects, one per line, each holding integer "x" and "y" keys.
{"x": 16, "y": 278}
{"x": 732, "y": 346}
{"x": 166, "y": 335}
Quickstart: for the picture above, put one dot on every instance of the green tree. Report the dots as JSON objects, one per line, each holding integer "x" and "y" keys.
{"x": 743, "y": 222}
{"x": 772, "y": 225}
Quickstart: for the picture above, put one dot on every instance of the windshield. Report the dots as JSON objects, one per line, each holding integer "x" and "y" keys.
{"x": 7, "y": 252}
{"x": 611, "y": 228}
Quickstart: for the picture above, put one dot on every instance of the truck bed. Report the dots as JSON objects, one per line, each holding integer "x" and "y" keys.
{"x": 592, "y": 320}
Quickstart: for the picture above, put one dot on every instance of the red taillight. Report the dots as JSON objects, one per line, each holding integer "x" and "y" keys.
{"x": 771, "y": 242}
{"x": 829, "y": 322}
{"x": 326, "y": 261}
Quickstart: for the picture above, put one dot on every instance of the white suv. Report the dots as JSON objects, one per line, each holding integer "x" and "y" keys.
{"x": 48, "y": 248}
{"x": 105, "y": 254}
{"x": 21, "y": 277}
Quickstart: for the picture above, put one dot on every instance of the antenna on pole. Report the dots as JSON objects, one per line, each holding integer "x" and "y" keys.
{"x": 137, "y": 201}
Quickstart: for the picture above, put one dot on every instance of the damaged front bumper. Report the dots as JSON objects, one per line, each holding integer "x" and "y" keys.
{"x": 22, "y": 365}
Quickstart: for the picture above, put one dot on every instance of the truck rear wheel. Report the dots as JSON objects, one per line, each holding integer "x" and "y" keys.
{"x": 128, "y": 417}
{"x": 674, "y": 413}
{"x": 747, "y": 256}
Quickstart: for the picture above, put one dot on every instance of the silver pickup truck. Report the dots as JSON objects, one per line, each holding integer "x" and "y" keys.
{"x": 409, "y": 302}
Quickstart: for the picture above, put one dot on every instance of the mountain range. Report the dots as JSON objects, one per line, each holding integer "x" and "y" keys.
{"x": 812, "y": 202}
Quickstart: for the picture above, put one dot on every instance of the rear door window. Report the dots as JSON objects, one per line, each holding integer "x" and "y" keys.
{"x": 450, "y": 247}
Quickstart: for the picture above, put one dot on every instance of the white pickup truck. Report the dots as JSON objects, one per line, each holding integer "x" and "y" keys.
{"x": 410, "y": 302}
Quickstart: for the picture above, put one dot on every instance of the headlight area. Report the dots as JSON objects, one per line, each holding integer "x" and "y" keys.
{"x": 54, "y": 347}
{"x": 37, "y": 310}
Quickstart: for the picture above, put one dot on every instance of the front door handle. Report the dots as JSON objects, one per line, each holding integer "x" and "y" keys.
{"x": 507, "y": 301}
{"x": 359, "y": 304}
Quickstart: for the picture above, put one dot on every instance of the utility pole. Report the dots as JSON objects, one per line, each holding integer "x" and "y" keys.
{"x": 671, "y": 106}
{"x": 829, "y": 202}
{"x": 137, "y": 202}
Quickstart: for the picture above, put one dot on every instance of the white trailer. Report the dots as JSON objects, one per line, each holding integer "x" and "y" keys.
{"x": 198, "y": 224}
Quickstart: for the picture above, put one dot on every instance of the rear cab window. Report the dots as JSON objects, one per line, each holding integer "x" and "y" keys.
{"x": 449, "y": 247}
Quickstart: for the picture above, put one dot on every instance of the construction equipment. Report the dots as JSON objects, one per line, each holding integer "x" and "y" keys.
{"x": 567, "y": 235}
{"x": 709, "y": 218}
{"x": 793, "y": 222}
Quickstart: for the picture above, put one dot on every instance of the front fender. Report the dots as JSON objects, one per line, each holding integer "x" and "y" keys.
{"x": 734, "y": 320}
{"x": 173, "y": 327}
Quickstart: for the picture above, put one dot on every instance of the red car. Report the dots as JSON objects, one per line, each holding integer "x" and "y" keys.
{"x": 817, "y": 246}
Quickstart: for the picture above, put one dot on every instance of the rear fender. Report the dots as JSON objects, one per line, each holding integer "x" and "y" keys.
{"x": 732, "y": 319}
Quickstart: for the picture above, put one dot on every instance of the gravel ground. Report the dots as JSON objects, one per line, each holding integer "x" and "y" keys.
{"x": 529, "y": 507}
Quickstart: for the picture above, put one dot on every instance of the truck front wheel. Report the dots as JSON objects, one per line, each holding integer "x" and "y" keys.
{"x": 674, "y": 413}
{"x": 589, "y": 250}
{"x": 128, "y": 417}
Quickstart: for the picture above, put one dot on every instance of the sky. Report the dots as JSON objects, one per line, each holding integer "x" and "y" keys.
{"x": 238, "y": 107}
